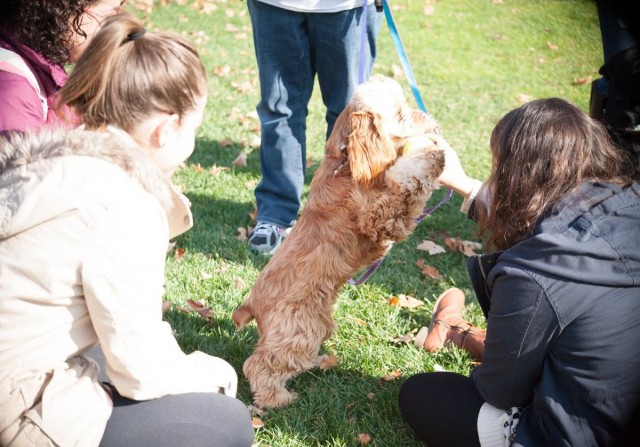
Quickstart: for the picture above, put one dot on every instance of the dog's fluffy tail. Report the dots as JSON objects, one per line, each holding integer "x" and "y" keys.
{"x": 242, "y": 315}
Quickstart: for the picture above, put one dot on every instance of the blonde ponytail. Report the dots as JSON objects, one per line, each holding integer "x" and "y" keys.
{"x": 127, "y": 74}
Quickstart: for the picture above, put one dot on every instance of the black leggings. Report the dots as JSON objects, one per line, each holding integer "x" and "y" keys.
{"x": 442, "y": 409}
{"x": 185, "y": 420}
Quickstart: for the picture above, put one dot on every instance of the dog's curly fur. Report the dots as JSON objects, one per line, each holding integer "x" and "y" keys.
{"x": 364, "y": 197}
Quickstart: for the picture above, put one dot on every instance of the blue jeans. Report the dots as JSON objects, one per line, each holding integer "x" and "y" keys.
{"x": 291, "y": 48}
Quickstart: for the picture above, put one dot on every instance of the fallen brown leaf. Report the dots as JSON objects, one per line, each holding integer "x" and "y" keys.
{"x": 328, "y": 362}
{"x": 216, "y": 170}
{"x": 392, "y": 376}
{"x": 408, "y": 301}
{"x": 428, "y": 270}
{"x": 406, "y": 338}
{"x": 256, "y": 422}
{"x": 241, "y": 234}
{"x": 430, "y": 247}
{"x": 204, "y": 311}
{"x": 467, "y": 248}
{"x": 582, "y": 81}
{"x": 359, "y": 321}
{"x": 364, "y": 439}
{"x": 241, "y": 160}
{"x": 179, "y": 253}
{"x": 222, "y": 71}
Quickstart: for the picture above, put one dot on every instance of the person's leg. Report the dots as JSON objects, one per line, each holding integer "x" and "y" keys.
{"x": 286, "y": 84}
{"x": 185, "y": 420}
{"x": 336, "y": 42}
{"x": 441, "y": 408}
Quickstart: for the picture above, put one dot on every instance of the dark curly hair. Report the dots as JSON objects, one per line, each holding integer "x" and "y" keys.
{"x": 44, "y": 26}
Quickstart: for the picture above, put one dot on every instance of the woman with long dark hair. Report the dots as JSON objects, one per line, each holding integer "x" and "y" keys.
{"x": 560, "y": 356}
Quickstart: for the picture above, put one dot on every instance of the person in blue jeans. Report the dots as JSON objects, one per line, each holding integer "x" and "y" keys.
{"x": 295, "y": 41}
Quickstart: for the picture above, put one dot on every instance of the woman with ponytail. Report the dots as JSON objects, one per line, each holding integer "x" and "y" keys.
{"x": 87, "y": 216}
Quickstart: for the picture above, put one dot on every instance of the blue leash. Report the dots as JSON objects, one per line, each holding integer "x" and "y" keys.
{"x": 406, "y": 66}
{"x": 404, "y": 60}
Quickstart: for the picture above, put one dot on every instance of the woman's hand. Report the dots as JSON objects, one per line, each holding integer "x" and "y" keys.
{"x": 453, "y": 175}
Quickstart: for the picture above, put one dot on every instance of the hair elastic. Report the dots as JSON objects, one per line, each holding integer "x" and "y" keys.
{"x": 135, "y": 36}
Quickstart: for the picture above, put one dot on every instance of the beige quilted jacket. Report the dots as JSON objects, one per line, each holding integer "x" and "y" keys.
{"x": 85, "y": 219}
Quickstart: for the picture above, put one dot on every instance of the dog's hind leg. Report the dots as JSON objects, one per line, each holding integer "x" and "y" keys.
{"x": 282, "y": 355}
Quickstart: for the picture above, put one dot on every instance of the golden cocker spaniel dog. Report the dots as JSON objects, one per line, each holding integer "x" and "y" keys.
{"x": 365, "y": 196}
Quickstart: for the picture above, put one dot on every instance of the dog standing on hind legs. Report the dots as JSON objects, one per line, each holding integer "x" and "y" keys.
{"x": 378, "y": 172}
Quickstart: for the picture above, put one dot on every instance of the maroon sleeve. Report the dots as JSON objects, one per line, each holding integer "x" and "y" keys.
{"x": 20, "y": 105}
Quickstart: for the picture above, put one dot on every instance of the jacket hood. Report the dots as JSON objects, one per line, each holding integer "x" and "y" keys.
{"x": 44, "y": 175}
{"x": 593, "y": 238}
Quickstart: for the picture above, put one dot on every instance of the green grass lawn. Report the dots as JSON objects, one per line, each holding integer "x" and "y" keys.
{"x": 474, "y": 61}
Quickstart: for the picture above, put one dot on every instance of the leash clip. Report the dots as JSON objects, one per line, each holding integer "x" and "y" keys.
{"x": 378, "y": 4}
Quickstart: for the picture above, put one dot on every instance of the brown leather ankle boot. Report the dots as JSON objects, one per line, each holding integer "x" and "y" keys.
{"x": 473, "y": 342}
{"x": 447, "y": 325}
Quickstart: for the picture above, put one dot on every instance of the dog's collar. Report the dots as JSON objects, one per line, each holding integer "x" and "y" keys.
{"x": 343, "y": 163}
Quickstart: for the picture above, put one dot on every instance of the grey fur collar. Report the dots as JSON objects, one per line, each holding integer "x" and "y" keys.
{"x": 19, "y": 149}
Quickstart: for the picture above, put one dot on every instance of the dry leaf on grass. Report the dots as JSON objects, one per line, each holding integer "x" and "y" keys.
{"x": 222, "y": 71}
{"x": 431, "y": 247}
{"x": 393, "y": 375}
{"x": 179, "y": 253}
{"x": 364, "y": 439}
{"x": 405, "y": 301}
{"x": 467, "y": 248}
{"x": 582, "y": 81}
{"x": 241, "y": 234}
{"x": 241, "y": 160}
{"x": 406, "y": 338}
{"x": 203, "y": 310}
{"x": 216, "y": 170}
{"x": 256, "y": 422}
{"x": 428, "y": 270}
{"x": 358, "y": 321}
{"x": 328, "y": 362}
{"x": 552, "y": 46}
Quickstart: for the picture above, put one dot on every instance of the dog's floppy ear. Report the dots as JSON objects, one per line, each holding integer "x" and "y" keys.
{"x": 369, "y": 149}
{"x": 336, "y": 145}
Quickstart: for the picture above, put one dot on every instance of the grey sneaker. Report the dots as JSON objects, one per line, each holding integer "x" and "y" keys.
{"x": 267, "y": 237}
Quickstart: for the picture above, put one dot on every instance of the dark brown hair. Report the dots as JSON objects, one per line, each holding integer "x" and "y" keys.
{"x": 45, "y": 26}
{"x": 542, "y": 151}
{"x": 126, "y": 74}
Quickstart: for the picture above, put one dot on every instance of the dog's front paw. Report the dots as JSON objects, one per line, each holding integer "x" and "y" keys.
{"x": 274, "y": 398}
{"x": 420, "y": 168}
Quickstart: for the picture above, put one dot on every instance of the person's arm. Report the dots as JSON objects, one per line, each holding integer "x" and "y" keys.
{"x": 122, "y": 278}
{"x": 454, "y": 177}
{"x": 21, "y": 108}
{"x": 521, "y": 326}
